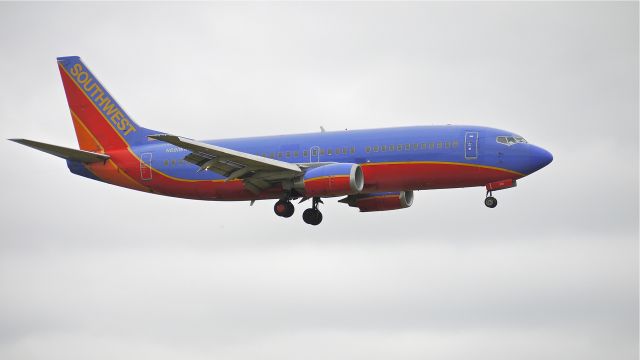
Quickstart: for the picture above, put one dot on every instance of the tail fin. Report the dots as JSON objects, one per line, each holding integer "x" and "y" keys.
{"x": 100, "y": 122}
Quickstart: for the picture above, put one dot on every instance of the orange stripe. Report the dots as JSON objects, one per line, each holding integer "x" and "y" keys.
{"x": 444, "y": 163}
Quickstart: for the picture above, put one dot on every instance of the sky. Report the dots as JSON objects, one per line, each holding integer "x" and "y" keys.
{"x": 89, "y": 270}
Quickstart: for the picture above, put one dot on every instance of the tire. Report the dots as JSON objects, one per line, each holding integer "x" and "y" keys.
{"x": 491, "y": 202}
{"x": 284, "y": 209}
{"x": 312, "y": 217}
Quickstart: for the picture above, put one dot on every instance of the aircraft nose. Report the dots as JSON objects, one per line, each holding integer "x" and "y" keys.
{"x": 539, "y": 158}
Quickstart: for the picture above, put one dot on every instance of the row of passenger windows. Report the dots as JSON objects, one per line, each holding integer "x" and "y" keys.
{"x": 347, "y": 150}
{"x": 368, "y": 149}
{"x": 314, "y": 152}
{"x": 408, "y": 147}
{"x": 174, "y": 162}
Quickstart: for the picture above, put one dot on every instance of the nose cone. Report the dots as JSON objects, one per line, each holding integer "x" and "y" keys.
{"x": 538, "y": 158}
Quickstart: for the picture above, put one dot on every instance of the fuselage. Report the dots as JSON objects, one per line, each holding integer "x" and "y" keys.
{"x": 392, "y": 159}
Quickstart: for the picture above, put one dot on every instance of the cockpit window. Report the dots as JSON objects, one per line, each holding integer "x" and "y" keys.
{"x": 510, "y": 140}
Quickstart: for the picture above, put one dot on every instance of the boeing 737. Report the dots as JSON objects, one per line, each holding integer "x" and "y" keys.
{"x": 373, "y": 170}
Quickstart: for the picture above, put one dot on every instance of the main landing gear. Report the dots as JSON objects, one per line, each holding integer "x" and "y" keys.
{"x": 490, "y": 201}
{"x": 313, "y": 216}
{"x": 284, "y": 208}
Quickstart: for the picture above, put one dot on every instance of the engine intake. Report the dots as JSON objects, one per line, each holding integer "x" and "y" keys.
{"x": 380, "y": 201}
{"x": 331, "y": 180}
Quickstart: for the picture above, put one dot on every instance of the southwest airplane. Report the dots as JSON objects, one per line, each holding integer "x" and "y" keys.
{"x": 374, "y": 170}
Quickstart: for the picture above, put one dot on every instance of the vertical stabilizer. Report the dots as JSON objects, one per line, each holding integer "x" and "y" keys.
{"x": 100, "y": 122}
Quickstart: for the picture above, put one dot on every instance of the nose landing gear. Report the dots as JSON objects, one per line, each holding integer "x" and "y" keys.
{"x": 313, "y": 216}
{"x": 490, "y": 201}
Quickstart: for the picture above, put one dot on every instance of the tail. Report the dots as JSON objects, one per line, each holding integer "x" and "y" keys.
{"x": 100, "y": 122}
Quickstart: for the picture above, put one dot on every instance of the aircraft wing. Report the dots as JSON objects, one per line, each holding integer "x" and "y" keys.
{"x": 257, "y": 172}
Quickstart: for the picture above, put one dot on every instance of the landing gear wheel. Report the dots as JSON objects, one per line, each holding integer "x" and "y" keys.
{"x": 284, "y": 208}
{"x": 490, "y": 202}
{"x": 312, "y": 216}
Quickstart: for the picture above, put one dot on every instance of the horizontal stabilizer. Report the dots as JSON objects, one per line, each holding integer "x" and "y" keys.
{"x": 63, "y": 152}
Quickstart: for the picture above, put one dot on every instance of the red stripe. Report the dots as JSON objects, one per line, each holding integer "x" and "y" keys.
{"x": 423, "y": 176}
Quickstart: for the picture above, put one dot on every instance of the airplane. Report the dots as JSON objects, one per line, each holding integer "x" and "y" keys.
{"x": 373, "y": 170}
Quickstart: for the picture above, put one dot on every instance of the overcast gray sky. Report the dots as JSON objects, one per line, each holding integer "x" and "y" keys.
{"x": 92, "y": 271}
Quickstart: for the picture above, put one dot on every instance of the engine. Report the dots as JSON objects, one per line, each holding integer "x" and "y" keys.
{"x": 331, "y": 180}
{"x": 380, "y": 201}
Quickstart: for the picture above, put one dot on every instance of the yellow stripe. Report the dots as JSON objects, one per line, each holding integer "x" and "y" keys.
{"x": 326, "y": 177}
{"x": 109, "y": 161}
{"x": 443, "y": 163}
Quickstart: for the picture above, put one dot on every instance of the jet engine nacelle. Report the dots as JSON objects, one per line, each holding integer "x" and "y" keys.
{"x": 380, "y": 201}
{"x": 331, "y": 180}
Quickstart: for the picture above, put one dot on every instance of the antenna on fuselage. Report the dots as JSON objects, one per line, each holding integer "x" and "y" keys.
{"x": 322, "y": 129}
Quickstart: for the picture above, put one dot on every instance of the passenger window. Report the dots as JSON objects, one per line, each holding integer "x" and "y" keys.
{"x": 407, "y": 147}
{"x": 329, "y": 151}
{"x": 375, "y": 148}
{"x": 455, "y": 144}
{"x": 288, "y": 153}
{"x": 296, "y": 154}
{"x": 173, "y": 162}
{"x": 279, "y": 155}
{"x": 392, "y": 147}
{"x": 271, "y": 155}
{"x": 353, "y": 149}
{"x": 344, "y": 151}
{"x": 368, "y": 149}
{"x": 447, "y": 145}
{"x": 321, "y": 151}
{"x": 166, "y": 163}
{"x": 305, "y": 153}
{"x": 431, "y": 146}
{"x": 424, "y": 146}
{"x": 439, "y": 144}
{"x": 384, "y": 148}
